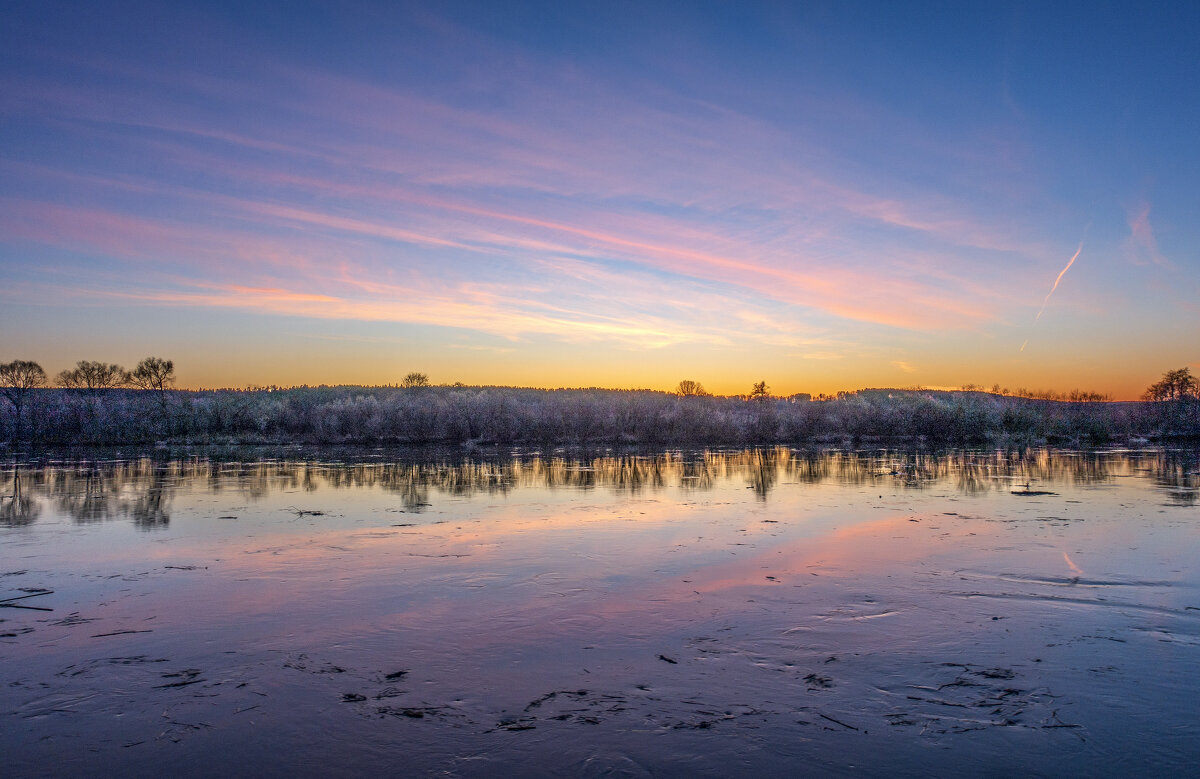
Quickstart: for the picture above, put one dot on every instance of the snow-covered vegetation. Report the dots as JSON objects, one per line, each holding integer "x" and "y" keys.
{"x": 507, "y": 415}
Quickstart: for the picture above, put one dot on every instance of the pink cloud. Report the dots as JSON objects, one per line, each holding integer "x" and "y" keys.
{"x": 864, "y": 296}
{"x": 437, "y": 177}
{"x": 465, "y": 310}
{"x": 1141, "y": 245}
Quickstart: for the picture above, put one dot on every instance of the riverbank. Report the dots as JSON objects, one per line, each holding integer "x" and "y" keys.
{"x": 511, "y": 415}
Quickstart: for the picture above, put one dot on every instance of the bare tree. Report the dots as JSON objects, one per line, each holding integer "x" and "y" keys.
{"x": 689, "y": 388}
{"x": 1174, "y": 385}
{"x": 415, "y": 379}
{"x": 761, "y": 391}
{"x": 94, "y": 377}
{"x": 17, "y": 379}
{"x": 153, "y": 373}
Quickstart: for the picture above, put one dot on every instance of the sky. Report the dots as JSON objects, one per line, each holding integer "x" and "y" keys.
{"x": 822, "y": 195}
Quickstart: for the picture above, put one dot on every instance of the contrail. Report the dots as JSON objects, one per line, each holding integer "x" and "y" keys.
{"x": 1061, "y": 273}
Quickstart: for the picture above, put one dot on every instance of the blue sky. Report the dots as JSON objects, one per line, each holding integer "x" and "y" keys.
{"x": 827, "y": 197}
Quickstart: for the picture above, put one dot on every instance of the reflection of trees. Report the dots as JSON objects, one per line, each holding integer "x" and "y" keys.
{"x": 1179, "y": 474}
{"x": 93, "y": 503}
{"x": 100, "y": 491}
{"x": 762, "y": 469}
{"x": 143, "y": 489}
{"x": 972, "y": 477}
{"x": 149, "y": 509}
{"x": 413, "y": 494}
{"x": 19, "y": 508}
{"x": 697, "y": 474}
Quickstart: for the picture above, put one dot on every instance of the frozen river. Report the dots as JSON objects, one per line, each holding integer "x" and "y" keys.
{"x": 675, "y": 614}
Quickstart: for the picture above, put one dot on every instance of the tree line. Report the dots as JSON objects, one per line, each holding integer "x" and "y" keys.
{"x": 101, "y": 404}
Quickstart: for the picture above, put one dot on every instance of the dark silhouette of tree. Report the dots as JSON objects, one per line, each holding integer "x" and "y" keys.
{"x": 153, "y": 373}
{"x": 689, "y": 388}
{"x": 1174, "y": 385}
{"x": 17, "y": 379}
{"x": 94, "y": 377}
{"x": 761, "y": 391}
{"x": 415, "y": 379}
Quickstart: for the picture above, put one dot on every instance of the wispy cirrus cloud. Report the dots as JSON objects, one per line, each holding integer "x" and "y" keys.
{"x": 850, "y": 293}
{"x": 1142, "y": 246}
{"x": 579, "y": 209}
{"x": 462, "y": 308}
{"x": 696, "y": 166}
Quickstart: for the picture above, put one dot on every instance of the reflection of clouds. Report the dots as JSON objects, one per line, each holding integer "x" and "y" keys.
{"x": 877, "y": 546}
{"x": 144, "y": 489}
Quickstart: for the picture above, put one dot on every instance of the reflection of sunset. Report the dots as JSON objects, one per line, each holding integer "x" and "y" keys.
{"x": 594, "y": 596}
{"x": 563, "y": 543}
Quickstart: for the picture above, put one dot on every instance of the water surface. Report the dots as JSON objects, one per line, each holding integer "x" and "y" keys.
{"x": 681, "y": 613}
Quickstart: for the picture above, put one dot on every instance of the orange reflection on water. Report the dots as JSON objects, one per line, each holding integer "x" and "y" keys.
{"x": 429, "y": 602}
